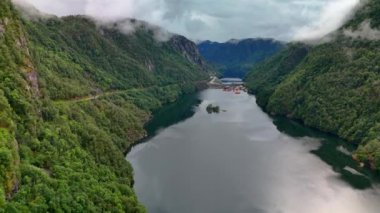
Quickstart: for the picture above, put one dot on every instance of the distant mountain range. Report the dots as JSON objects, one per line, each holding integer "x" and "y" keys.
{"x": 235, "y": 58}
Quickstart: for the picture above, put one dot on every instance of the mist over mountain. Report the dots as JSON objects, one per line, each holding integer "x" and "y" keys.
{"x": 280, "y": 19}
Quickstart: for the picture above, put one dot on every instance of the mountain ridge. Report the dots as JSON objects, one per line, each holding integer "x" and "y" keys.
{"x": 235, "y": 57}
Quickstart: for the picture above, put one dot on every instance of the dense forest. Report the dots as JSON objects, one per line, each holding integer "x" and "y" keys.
{"x": 236, "y": 57}
{"x": 74, "y": 95}
{"x": 333, "y": 86}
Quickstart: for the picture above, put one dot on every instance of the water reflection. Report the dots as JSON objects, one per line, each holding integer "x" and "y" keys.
{"x": 333, "y": 151}
{"x": 172, "y": 114}
{"x": 242, "y": 161}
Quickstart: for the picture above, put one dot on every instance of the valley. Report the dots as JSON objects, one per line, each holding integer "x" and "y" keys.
{"x": 103, "y": 112}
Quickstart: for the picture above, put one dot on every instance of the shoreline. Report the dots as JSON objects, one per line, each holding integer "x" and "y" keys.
{"x": 361, "y": 164}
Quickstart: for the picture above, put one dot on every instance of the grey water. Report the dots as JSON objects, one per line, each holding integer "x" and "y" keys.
{"x": 242, "y": 160}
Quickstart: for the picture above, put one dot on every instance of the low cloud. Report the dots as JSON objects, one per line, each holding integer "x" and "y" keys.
{"x": 363, "y": 32}
{"x": 29, "y": 11}
{"x": 129, "y": 26}
{"x": 333, "y": 15}
{"x": 218, "y": 20}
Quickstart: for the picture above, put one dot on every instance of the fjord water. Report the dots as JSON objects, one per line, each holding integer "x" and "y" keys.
{"x": 242, "y": 160}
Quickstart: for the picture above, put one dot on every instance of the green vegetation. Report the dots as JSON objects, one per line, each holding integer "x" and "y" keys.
{"x": 212, "y": 109}
{"x": 369, "y": 12}
{"x": 75, "y": 57}
{"x": 73, "y": 97}
{"x": 273, "y": 71}
{"x": 334, "y": 87}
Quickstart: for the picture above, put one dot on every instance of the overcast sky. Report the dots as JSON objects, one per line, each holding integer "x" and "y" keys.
{"x": 218, "y": 20}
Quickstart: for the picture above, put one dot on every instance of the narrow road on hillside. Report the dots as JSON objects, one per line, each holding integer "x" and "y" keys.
{"x": 214, "y": 81}
{"x": 97, "y": 96}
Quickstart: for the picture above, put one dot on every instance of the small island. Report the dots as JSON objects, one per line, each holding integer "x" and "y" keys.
{"x": 212, "y": 109}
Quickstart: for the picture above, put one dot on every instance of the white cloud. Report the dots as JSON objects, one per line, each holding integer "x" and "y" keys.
{"x": 60, "y": 7}
{"x": 218, "y": 20}
{"x": 333, "y": 15}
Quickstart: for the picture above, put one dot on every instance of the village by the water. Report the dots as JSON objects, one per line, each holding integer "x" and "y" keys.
{"x": 234, "y": 85}
{"x": 229, "y": 85}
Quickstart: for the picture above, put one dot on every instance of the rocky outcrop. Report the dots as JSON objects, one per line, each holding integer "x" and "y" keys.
{"x": 189, "y": 50}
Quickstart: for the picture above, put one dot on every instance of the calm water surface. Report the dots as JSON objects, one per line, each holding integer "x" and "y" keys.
{"x": 242, "y": 160}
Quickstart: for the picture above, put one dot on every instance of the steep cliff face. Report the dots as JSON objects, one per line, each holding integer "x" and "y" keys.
{"x": 334, "y": 87}
{"x": 189, "y": 50}
{"x": 74, "y": 95}
{"x": 236, "y": 57}
{"x": 18, "y": 93}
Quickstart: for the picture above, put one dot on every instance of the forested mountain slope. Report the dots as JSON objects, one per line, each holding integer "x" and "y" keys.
{"x": 333, "y": 86}
{"x": 236, "y": 57}
{"x": 74, "y": 95}
{"x": 90, "y": 57}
